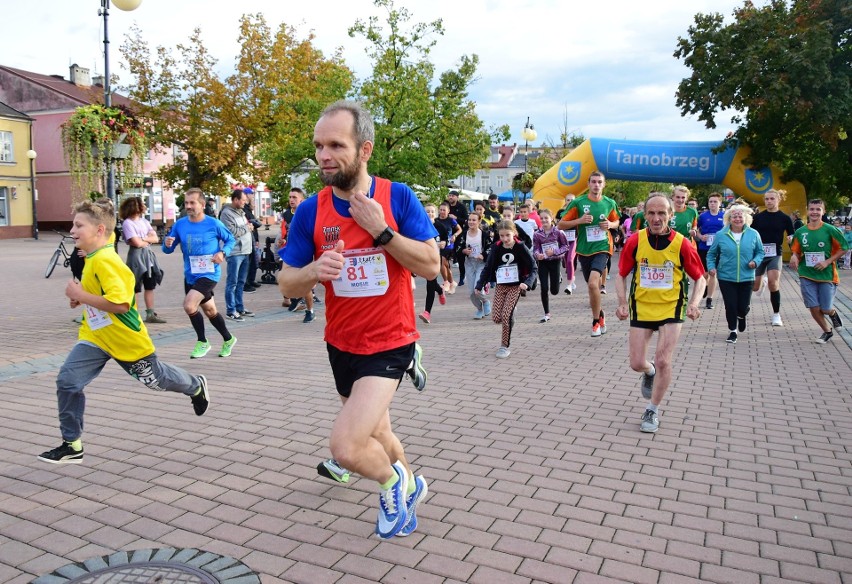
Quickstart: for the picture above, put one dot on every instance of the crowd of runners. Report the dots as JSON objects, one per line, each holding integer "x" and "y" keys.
{"x": 364, "y": 239}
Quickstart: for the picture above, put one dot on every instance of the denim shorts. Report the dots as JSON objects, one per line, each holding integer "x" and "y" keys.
{"x": 818, "y": 294}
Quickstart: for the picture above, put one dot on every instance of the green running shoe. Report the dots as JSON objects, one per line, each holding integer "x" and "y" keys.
{"x": 201, "y": 349}
{"x": 227, "y": 346}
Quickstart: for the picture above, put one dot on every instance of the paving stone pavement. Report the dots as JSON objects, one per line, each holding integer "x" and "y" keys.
{"x": 537, "y": 469}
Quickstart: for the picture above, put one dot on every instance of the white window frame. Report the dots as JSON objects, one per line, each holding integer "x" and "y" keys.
{"x": 4, "y": 206}
{"x": 500, "y": 181}
{"x": 7, "y": 147}
{"x": 484, "y": 183}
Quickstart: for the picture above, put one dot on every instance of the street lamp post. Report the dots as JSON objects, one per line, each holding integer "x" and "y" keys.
{"x": 529, "y": 135}
{"x": 126, "y": 5}
{"x": 31, "y": 154}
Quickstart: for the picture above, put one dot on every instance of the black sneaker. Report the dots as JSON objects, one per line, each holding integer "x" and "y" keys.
{"x": 741, "y": 324}
{"x": 317, "y": 300}
{"x": 247, "y": 313}
{"x": 309, "y": 316}
{"x": 62, "y": 454}
{"x": 732, "y": 338}
{"x": 235, "y": 317}
{"x": 417, "y": 372}
{"x": 709, "y": 305}
{"x": 835, "y": 320}
{"x": 202, "y": 399}
{"x": 294, "y": 304}
{"x": 648, "y": 384}
{"x": 249, "y": 290}
{"x": 825, "y": 337}
{"x": 330, "y": 469}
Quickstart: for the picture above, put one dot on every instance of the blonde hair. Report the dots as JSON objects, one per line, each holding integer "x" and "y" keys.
{"x": 682, "y": 189}
{"x": 781, "y": 193}
{"x": 101, "y": 212}
{"x": 746, "y": 211}
{"x": 507, "y": 226}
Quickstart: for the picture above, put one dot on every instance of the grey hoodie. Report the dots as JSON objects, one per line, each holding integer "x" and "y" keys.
{"x": 235, "y": 221}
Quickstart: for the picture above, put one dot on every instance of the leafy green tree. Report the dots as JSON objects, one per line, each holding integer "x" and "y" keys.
{"x": 427, "y": 130}
{"x": 785, "y": 69}
{"x": 220, "y": 123}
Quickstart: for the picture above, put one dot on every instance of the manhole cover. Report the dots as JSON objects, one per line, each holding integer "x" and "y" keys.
{"x": 147, "y": 573}
{"x": 154, "y": 566}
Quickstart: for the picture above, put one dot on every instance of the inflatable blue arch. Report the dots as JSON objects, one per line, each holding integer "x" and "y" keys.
{"x": 674, "y": 162}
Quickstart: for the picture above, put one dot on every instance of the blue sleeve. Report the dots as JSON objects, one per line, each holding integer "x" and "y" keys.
{"x": 173, "y": 232}
{"x": 299, "y": 251}
{"x": 411, "y": 218}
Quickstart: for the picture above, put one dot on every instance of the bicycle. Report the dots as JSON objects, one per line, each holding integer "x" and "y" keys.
{"x": 60, "y": 251}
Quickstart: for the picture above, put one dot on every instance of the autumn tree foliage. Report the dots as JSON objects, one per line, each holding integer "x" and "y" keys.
{"x": 427, "y": 129}
{"x": 785, "y": 71}
{"x": 221, "y": 123}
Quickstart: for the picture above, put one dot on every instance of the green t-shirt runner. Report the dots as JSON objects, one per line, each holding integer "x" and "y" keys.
{"x": 816, "y": 245}
{"x": 685, "y": 221}
{"x": 591, "y": 239}
{"x": 638, "y": 222}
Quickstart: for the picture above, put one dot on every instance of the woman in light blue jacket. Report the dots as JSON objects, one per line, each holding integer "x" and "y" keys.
{"x": 736, "y": 251}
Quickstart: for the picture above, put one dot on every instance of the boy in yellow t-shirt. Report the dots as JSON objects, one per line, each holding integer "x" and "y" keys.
{"x": 111, "y": 329}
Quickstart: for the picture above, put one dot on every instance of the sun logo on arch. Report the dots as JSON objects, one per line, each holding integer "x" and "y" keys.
{"x": 569, "y": 173}
{"x": 758, "y": 180}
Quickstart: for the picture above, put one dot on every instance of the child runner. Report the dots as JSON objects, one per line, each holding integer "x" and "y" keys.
{"x": 453, "y": 229}
{"x": 511, "y": 264}
{"x": 569, "y": 260}
{"x": 549, "y": 247}
{"x": 432, "y": 286}
{"x": 474, "y": 245}
{"x": 112, "y": 329}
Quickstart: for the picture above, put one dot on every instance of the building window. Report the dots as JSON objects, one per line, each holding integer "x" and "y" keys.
{"x": 4, "y": 204}
{"x": 6, "y": 149}
{"x": 501, "y": 181}
{"x": 484, "y": 183}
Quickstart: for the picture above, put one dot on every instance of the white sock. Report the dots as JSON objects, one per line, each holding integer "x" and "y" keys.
{"x": 652, "y": 371}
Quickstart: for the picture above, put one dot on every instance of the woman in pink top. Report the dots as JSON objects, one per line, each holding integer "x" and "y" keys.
{"x": 140, "y": 235}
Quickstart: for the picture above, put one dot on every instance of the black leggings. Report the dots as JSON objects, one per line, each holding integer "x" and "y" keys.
{"x": 737, "y": 297}
{"x": 432, "y": 288}
{"x": 548, "y": 275}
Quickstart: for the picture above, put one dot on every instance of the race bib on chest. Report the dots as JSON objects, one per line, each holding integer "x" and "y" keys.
{"x": 96, "y": 319}
{"x": 769, "y": 250}
{"x": 656, "y": 277}
{"x": 571, "y": 235}
{"x": 201, "y": 264}
{"x": 507, "y": 274}
{"x": 812, "y": 258}
{"x": 711, "y": 237}
{"x": 554, "y": 248}
{"x": 365, "y": 273}
{"x": 595, "y": 233}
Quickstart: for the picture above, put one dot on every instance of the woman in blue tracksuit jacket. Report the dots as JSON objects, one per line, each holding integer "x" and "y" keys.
{"x": 736, "y": 251}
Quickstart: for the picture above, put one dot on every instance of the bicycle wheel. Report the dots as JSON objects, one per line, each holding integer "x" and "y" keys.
{"x": 54, "y": 259}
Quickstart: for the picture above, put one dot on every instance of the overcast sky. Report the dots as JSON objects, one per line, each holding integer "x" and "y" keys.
{"x": 608, "y": 63}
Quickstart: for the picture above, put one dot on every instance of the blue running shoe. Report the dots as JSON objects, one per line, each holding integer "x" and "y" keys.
{"x": 420, "y": 492}
{"x": 393, "y": 512}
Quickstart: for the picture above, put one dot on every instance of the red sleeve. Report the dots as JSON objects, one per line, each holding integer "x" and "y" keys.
{"x": 691, "y": 262}
{"x": 627, "y": 260}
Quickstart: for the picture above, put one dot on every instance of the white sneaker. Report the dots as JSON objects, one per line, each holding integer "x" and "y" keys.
{"x": 503, "y": 352}
{"x": 763, "y": 284}
{"x": 776, "y": 320}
